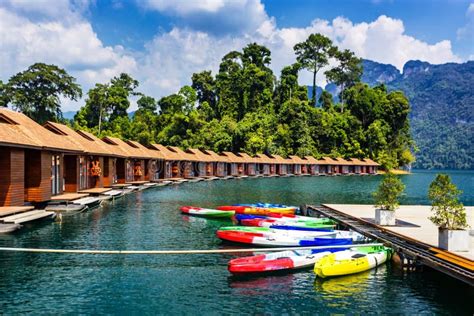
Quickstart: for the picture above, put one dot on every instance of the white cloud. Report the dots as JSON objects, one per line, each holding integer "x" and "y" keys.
{"x": 72, "y": 45}
{"x": 170, "y": 58}
{"x": 467, "y": 31}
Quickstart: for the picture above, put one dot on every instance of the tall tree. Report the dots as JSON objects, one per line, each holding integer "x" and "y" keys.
{"x": 204, "y": 85}
{"x": 146, "y": 103}
{"x": 346, "y": 73}
{"x": 36, "y": 91}
{"x": 313, "y": 54}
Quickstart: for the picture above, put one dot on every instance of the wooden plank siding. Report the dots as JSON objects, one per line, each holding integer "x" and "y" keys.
{"x": 12, "y": 184}
{"x": 37, "y": 175}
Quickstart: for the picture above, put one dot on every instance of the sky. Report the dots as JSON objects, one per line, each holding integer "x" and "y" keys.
{"x": 162, "y": 43}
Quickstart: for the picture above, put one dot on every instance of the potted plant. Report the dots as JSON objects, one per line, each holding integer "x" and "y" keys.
{"x": 449, "y": 214}
{"x": 386, "y": 199}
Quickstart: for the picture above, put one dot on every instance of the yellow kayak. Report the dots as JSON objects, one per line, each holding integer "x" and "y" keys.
{"x": 351, "y": 261}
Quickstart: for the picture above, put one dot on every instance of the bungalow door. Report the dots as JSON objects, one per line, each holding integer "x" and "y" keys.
{"x": 56, "y": 185}
{"x": 83, "y": 176}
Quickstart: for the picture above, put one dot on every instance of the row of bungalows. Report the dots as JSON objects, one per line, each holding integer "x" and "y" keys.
{"x": 38, "y": 162}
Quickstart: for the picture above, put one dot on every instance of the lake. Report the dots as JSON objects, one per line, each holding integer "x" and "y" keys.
{"x": 201, "y": 284}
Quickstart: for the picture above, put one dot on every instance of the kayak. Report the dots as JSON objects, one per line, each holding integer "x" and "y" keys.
{"x": 277, "y": 261}
{"x": 280, "y": 240}
{"x": 285, "y": 217}
{"x": 351, "y": 261}
{"x": 268, "y": 222}
{"x": 258, "y": 210}
{"x": 205, "y": 212}
{"x": 265, "y": 205}
{"x": 279, "y": 231}
{"x": 303, "y": 234}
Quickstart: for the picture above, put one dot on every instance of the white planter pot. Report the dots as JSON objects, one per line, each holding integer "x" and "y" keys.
{"x": 453, "y": 240}
{"x": 384, "y": 217}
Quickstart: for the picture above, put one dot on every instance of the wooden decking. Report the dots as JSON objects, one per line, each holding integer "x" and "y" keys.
{"x": 137, "y": 182}
{"x": 68, "y": 197}
{"x": 413, "y": 222}
{"x": 10, "y": 210}
{"x": 95, "y": 191}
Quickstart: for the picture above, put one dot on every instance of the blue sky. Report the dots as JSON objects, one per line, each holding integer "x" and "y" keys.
{"x": 161, "y": 43}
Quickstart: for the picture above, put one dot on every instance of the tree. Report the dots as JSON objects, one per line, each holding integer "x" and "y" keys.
{"x": 203, "y": 83}
{"x": 146, "y": 103}
{"x": 36, "y": 91}
{"x": 347, "y": 73}
{"x": 313, "y": 54}
{"x": 389, "y": 191}
{"x": 449, "y": 213}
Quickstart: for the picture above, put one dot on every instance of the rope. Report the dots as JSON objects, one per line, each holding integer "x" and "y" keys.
{"x": 175, "y": 252}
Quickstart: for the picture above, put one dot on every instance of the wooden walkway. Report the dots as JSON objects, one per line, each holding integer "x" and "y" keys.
{"x": 95, "y": 190}
{"x": 10, "y": 210}
{"x": 66, "y": 197}
{"x": 412, "y": 249}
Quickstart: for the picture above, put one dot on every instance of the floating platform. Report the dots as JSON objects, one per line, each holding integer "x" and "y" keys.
{"x": 10, "y": 210}
{"x": 414, "y": 237}
{"x": 68, "y": 197}
{"x": 66, "y": 209}
{"x": 28, "y": 217}
{"x": 9, "y": 228}
{"x": 95, "y": 191}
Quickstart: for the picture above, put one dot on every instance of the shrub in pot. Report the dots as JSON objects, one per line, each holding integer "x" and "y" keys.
{"x": 448, "y": 214}
{"x": 386, "y": 199}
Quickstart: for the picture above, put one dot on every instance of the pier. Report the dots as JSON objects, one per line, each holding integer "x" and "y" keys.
{"x": 414, "y": 238}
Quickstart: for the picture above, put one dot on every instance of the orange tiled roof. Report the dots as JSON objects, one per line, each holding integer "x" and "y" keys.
{"x": 247, "y": 158}
{"x": 297, "y": 160}
{"x": 262, "y": 158}
{"x": 184, "y": 155}
{"x": 311, "y": 160}
{"x": 370, "y": 162}
{"x": 280, "y": 159}
{"x": 199, "y": 155}
{"x": 16, "y": 129}
{"x": 215, "y": 156}
{"x": 233, "y": 158}
{"x": 166, "y": 153}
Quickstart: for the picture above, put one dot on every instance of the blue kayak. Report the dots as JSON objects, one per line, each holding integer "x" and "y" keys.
{"x": 265, "y": 205}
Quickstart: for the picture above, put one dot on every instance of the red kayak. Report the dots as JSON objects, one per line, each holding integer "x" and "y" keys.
{"x": 283, "y": 260}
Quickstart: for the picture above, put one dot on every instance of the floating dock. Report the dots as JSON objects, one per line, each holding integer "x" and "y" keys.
{"x": 414, "y": 238}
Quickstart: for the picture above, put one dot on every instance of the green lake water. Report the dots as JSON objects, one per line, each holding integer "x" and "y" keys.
{"x": 201, "y": 284}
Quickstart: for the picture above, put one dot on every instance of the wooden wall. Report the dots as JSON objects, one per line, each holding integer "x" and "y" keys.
{"x": 108, "y": 171}
{"x": 37, "y": 175}
{"x": 12, "y": 171}
{"x": 120, "y": 169}
{"x": 71, "y": 173}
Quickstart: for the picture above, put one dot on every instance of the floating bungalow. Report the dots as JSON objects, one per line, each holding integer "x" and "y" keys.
{"x": 31, "y": 160}
{"x": 40, "y": 162}
{"x": 220, "y": 163}
{"x": 251, "y": 164}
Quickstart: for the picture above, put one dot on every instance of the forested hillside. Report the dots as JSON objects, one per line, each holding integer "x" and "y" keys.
{"x": 243, "y": 107}
{"x": 442, "y": 106}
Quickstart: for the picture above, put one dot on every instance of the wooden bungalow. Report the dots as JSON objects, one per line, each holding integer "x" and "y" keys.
{"x": 235, "y": 164}
{"x": 133, "y": 166}
{"x": 203, "y": 164}
{"x": 356, "y": 166}
{"x": 327, "y": 166}
{"x": 220, "y": 163}
{"x": 371, "y": 166}
{"x": 281, "y": 164}
{"x": 263, "y": 164}
{"x": 153, "y": 158}
{"x": 312, "y": 167}
{"x": 342, "y": 166}
{"x": 31, "y": 159}
{"x": 94, "y": 168}
{"x": 170, "y": 165}
{"x": 188, "y": 163}
{"x": 273, "y": 165}
{"x": 298, "y": 165}
{"x": 250, "y": 165}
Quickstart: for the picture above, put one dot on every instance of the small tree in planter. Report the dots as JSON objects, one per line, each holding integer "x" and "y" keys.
{"x": 386, "y": 199}
{"x": 449, "y": 214}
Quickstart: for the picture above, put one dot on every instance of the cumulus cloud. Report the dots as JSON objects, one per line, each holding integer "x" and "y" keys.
{"x": 206, "y": 32}
{"x": 72, "y": 45}
{"x": 218, "y": 17}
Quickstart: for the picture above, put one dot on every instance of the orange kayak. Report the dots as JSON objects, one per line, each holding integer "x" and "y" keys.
{"x": 258, "y": 210}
